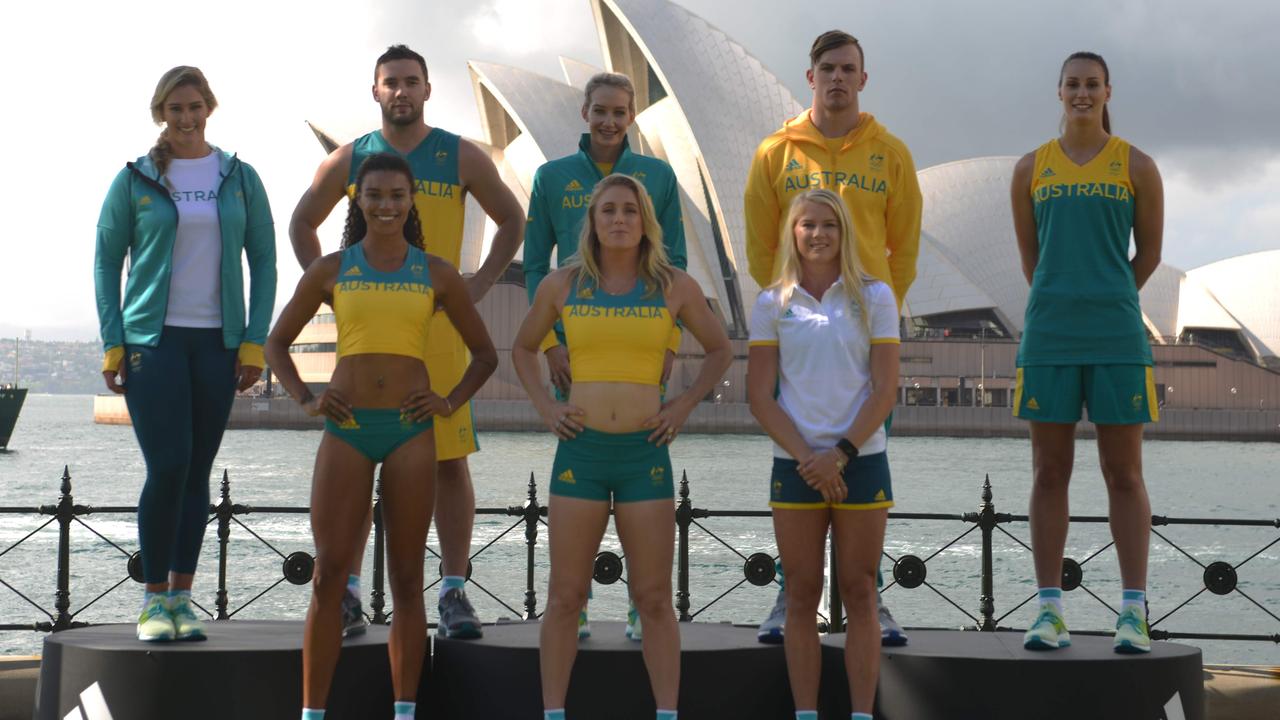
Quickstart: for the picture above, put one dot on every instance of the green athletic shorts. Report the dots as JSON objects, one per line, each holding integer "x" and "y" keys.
{"x": 866, "y": 476}
{"x": 625, "y": 466}
{"x": 1114, "y": 394}
{"x": 376, "y": 432}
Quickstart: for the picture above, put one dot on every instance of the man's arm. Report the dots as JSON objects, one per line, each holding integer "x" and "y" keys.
{"x": 902, "y": 228}
{"x": 480, "y": 178}
{"x": 327, "y": 188}
{"x": 760, "y": 206}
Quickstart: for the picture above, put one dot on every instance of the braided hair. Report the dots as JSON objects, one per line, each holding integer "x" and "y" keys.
{"x": 356, "y": 227}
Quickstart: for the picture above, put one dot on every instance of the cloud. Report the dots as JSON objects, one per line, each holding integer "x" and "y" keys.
{"x": 521, "y": 28}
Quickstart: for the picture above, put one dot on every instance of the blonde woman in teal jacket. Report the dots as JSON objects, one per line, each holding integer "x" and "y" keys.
{"x": 179, "y": 344}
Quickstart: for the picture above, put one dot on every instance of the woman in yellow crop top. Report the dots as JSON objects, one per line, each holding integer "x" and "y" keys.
{"x": 618, "y": 298}
{"x": 377, "y": 406}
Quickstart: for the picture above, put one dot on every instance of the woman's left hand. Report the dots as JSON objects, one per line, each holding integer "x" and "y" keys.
{"x": 667, "y": 423}
{"x": 824, "y": 472}
{"x": 422, "y": 404}
{"x": 246, "y": 376}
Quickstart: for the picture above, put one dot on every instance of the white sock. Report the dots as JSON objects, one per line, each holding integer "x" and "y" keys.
{"x": 1051, "y": 595}
{"x": 405, "y": 710}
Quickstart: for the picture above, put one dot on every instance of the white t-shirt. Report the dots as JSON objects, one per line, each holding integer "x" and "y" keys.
{"x": 824, "y": 357}
{"x": 195, "y": 283}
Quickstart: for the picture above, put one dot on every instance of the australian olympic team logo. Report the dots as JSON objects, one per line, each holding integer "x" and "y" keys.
{"x": 657, "y": 474}
{"x": 1115, "y": 167}
{"x": 135, "y": 361}
{"x": 1137, "y": 402}
{"x": 586, "y": 292}
{"x": 416, "y": 269}
{"x": 639, "y": 175}
{"x": 442, "y": 156}
{"x": 877, "y": 161}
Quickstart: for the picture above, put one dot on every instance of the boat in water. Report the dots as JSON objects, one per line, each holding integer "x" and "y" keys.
{"x": 11, "y": 399}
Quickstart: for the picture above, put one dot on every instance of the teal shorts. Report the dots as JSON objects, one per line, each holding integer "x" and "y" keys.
{"x": 866, "y": 476}
{"x": 1114, "y": 394}
{"x": 377, "y": 432}
{"x": 625, "y": 466}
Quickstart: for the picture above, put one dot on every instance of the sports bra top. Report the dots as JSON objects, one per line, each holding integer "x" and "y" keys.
{"x": 616, "y": 338}
{"x": 383, "y": 312}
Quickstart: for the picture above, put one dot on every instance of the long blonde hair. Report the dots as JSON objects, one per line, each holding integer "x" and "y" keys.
{"x": 791, "y": 274}
{"x": 655, "y": 269}
{"x": 175, "y": 78}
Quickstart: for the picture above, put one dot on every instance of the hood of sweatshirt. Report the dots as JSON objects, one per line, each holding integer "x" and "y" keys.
{"x": 800, "y": 129}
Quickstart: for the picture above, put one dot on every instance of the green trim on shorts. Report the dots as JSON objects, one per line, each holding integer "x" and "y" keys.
{"x": 1113, "y": 394}
{"x": 598, "y": 465}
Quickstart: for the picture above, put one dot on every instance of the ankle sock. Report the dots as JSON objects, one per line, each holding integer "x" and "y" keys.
{"x": 1051, "y": 595}
{"x": 353, "y": 585}
{"x": 179, "y": 595}
{"x": 310, "y": 714}
{"x": 1134, "y": 597}
{"x": 782, "y": 578}
{"x": 860, "y": 716}
{"x": 405, "y": 710}
{"x": 148, "y": 595}
{"x": 806, "y": 715}
{"x": 666, "y": 715}
{"x": 553, "y": 714}
{"x": 450, "y": 582}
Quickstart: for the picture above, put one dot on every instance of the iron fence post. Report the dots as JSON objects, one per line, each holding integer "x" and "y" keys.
{"x": 835, "y": 604}
{"x": 378, "y": 603}
{"x": 987, "y": 522}
{"x": 531, "y": 512}
{"x": 684, "y": 516}
{"x": 223, "y": 513}
{"x": 65, "y": 514}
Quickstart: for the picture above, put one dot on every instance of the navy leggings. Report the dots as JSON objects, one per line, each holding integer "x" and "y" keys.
{"x": 179, "y": 395}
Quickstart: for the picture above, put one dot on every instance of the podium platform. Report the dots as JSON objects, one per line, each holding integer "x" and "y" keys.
{"x": 246, "y": 670}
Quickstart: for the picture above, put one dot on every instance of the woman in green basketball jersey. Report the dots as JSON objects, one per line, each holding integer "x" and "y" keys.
{"x": 1076, "y": 199}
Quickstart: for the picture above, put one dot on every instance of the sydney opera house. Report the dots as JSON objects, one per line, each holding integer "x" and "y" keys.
{"x": 703, "y": 104}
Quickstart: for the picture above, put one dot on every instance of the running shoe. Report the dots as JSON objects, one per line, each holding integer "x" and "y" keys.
{"x": 1049, "y": 632}
{"x": 1132, "y": 634}
{"x": 770, "y": 632}
{"x": 353, "y": 622}
{"x": 457, "y": 618}
{"x": 584, "y": 625}
{"x": 891, "y": 633}
{"x": 632, "y": 630}
{"x": 186, "y": 625}
{"x": 154, "y": 624}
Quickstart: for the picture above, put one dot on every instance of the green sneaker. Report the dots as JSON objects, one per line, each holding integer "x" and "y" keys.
{"x": 1132, "y": 634}
{"x": 154, "y": 624}
{"x": 632, "y": 631}
{"x": 186, "y": 625}
{"x": 1048, "y": 632}
{"x": 584, "y": 625}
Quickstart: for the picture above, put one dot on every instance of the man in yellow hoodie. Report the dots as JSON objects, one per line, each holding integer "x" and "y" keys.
{"x": 834, "y": 145}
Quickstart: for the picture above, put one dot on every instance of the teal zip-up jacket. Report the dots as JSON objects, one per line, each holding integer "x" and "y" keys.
{"x": 140, "y": 218}
{"x": 558, "y": 205}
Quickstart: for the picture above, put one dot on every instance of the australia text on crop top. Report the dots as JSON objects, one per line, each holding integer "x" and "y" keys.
{"x": 616, "y": 338}
{"x": 383, "y": 312}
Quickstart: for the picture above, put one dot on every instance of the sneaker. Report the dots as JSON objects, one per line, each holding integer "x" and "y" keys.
{"x": 186, "y": 625}
{"x": 770, "y": 632}
{"x": 1049, "y": 632}
{"x": 891, "y": 633}
{"x": 353, "y": 622}
{"x": 584, "y": 625}
{"x": 154, "y": 624}
{"x": 457, "y": 618}
{"x": 1132, "y": 634}
{"x": 632, "y": 630}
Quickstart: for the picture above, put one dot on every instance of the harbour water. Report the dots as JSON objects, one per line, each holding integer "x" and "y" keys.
{"x": 939, "y": 475}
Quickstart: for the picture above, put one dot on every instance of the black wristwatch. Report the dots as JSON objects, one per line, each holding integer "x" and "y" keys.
{"x": 849, "y": 449}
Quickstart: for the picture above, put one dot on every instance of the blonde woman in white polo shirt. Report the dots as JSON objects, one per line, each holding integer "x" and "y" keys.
{"x": 825, "y": 336}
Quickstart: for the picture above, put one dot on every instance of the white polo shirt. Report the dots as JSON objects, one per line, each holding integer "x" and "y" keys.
{"x": 824, "y": 357}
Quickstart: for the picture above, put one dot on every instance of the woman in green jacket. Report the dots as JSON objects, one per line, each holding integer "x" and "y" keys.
{"x": 179, "y": 345}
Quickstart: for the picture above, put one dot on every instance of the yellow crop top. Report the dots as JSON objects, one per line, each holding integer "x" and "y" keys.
{"x": 383, "y": 312}
{"x": 616, "y": 338}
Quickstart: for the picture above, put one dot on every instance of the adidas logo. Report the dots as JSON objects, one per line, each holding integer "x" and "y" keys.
{"x": 1032, "y": 404}
{"x": 794, "y": 165}
{"x": 790, "y": 313}
{"x": 146, "y": 200}
{"x": 1048, "y": 173}
{"x": 880, "y": 496}
{"x": 573, "y": 186}
{"x": 566, "y": 476}
{"x": 354, "y": 271}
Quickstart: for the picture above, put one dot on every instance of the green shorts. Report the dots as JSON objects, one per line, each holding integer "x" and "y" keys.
{"x": 376, "y": 432}
{"x": 625, "y": 466}
{"x": 1114, "y": 394}
{"x": 866, "y": 476}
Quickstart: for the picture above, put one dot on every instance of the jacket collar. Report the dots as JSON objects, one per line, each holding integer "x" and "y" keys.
{"x": 584, "y": 149}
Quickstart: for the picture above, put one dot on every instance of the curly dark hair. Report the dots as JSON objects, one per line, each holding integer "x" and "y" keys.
{"x": 356, "y": 226}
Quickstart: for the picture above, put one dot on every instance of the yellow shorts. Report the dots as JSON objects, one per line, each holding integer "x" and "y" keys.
{"x": 446, "y": 361}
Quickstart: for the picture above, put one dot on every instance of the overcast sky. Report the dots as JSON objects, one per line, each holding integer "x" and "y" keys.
{"x": 1194, "y": 84}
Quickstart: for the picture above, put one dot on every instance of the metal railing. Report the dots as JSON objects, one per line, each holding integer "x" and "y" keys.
{"x": 1218, "y": 577}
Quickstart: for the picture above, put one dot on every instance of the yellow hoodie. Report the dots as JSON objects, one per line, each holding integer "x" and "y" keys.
{"x": 870, "y": 168}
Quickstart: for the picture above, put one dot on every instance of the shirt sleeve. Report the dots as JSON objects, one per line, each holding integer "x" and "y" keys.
{"x": 902, "y": 227}
{"x": 115, "y": 232}
{"x": 762, "y": 215}
{"x": 764, "y": 320}
{"x": 882, "y": 313}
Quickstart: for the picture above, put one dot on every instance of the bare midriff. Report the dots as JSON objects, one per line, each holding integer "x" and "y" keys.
{"x": 378, "y": 380}
{"x": 615, "y": 407}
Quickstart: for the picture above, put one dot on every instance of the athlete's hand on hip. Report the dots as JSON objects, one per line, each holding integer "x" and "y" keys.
{"x": 422, "y": 404}
{"x": 330, "y": 404}
{"x": 823, "y": 472}
{"x": 115, "y": 386}
{"x": 246, "y": 376}
{"x": 563, "y": 419}
{"x": 558, "y": 366}
{"x": 667, "y": 423}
